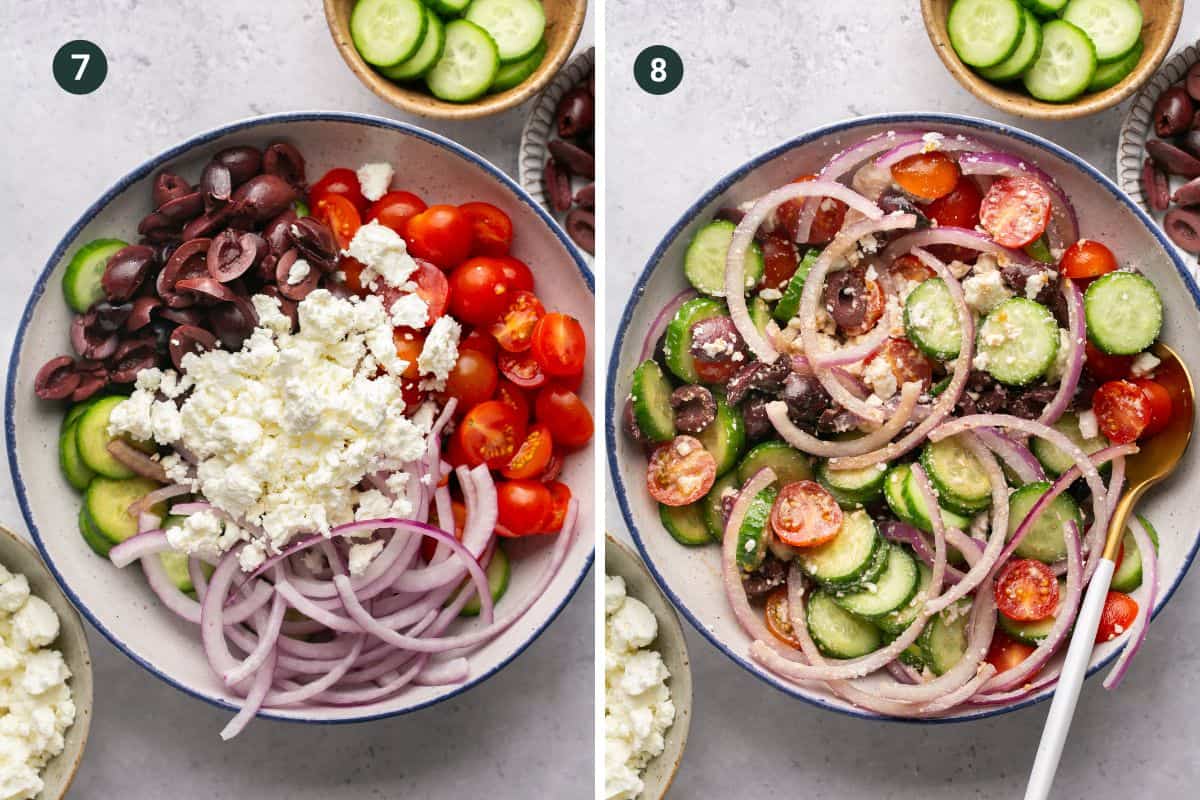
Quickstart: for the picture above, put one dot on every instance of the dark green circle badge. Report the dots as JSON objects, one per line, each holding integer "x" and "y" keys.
{"x": 658, "y": 69}
{"x": 80, "y": 67}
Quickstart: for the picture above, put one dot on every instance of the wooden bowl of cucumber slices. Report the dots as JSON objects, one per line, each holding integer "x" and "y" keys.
{"x": 1052, "y": 59}
{"x": 455, "y": 59}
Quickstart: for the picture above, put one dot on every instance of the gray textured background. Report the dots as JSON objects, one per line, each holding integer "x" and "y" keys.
{"x": 757, "y": 73}
{"x": 177, "y": 67}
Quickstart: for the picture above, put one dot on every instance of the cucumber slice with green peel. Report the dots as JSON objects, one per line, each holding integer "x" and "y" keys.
{"x": 944, "y": 640}
{"x": 76, "y": 411}
{"x": 1031, "y": 632}
{"x": 1109, "y": 75}
{"x": 1055, "y": 461}
{"x": 931, "y": 320}
{"x": 892, "y": 590}
{"x": 1045, "y": 8}
{"x": 896, "y": 622}
{"x": 849, "y": 558}
{"x": 1066, "y": 65}
{"x": 985, "y": 32}
{"x": 651, "y": 396}
{"x": 1128, "y": 575}
{"x": 704, "y": 260}
{"x": 498, "y": 573}
{"x": 516, "y": 26}
{"x": 81, "y": 281}
{"x": 77, "y": 473}
{"x": 1018, "y": 341}
{"x": 725, "y": 437}
{"x": 789, "y": 304}
{"x": 518, "y": 72}
{"x": 1022, "y": 58}
{"x": 426, "y": 56}
{"x": 894, "y": 484}
{"x": 468, "y": 65}
{"x": 752, "y": 535}
{"x": 853, "y": 488}
{"x": 788, "y": 463}
{"x": 1114, "y": 26}
{"x": 449, "y": 8}
{"x": 1045, "y": 541}
{"x": 678, "y": 346}
{"x": 913, "y": 656}
{"x": 760, "y": 314}
{"x": 91, "y": 534}
{"x": 958, "y": 478}
{"x": 1039, "y": 250}
{"x": 107, "y": 501}
{"x": 175, "y": 564}
{"x": 919, "y": 514}
{"x": 386, "y": 32}
{"x": 837, "y": 632}
{"x": 91, "y": 436}
{"x": 685, "y": 523}
{"x": 1124, "y": 313}
{"x": 714, "y": 504}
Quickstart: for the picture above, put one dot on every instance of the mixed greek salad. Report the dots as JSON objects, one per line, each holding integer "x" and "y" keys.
{"x": 900, "y": 395}
{"x": 314, "y": 429}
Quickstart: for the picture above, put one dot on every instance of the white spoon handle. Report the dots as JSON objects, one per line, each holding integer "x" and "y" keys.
{"x": 1062, "y": 707}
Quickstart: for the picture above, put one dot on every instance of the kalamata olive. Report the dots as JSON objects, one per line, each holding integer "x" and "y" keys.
{"x": 558, "y": 186}
{"x": 183, "y": 209}
{"x": 295, "y": 287}
{"x": 207, "y": 290}
{"x": 629, "y": 423}
{"x": 183, "y": 316}
{"x": 207, "y": 224}
{"x": 189, "y": 339}
{"x": 276, "y": 232}
{"x": 576, "y": 112}
{"x": 315, "y": 241}
{"x": 285, "y": 161}
{"x": 142, "y": 308}
{"x": 216, "y": 184}
{"x": 232, "y": 253}
{"x": 167, "y": 187}
{"x": 88, "y": 341}
{"x": 1172, "y": 159}
{"x": 754, "y": 415}
{"x": 1016, "y": 275}
{"x": 263, "y": 197}
{"x": 1192, "y": 81}
{"x": 586, "y": 197}
{"x": 716, "y": 339}
{"x": 806, "y": 399}
{"x": 581, "y": 227}
{"x": 243, "y": 163}
{"x": 190, "y": 260}
{"x": 757, "y": 376}
{"x": 770, "y": 575}
{"x": 57, "y": 379}
{"x": 574, "y": 158}
{"x": 93, "y": 376}
{"x": 846, "y": 296}
{"x": 126, "y": 270}
{"x": 1188, "y": 194}
{"x": 893, "y": 202}
{"x": 1155, "y": 186}
{"x": 108, "y": 317}
{"x": 695, "y": 408}
{"x": 287, "y": 306}
{"x": 984, "y": 395}
{"x": 1191, "y": 140}
{"x": 1172, "y": 112}
{"x": 158, "y": 228}
{"x": 133, "y": 356}
{"x": 233, "y": 322}
{"x": 1029, "y": 403}
{"x": 1183, "y": 226}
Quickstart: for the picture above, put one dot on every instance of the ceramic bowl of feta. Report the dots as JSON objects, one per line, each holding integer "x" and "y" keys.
{"x": 120, "y": 603}
{"x": 45, "y": 678}
{"x": 691, "y": 576}
{"x": 648, "y": 681}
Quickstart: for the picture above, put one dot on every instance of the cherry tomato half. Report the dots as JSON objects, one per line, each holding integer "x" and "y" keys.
{"x": 492, "y": 229}
{"x": 907, "y": 362}
{"x": 927, "y": 176}
{"x": 480, "y": 342}
{"x": 478, "y": 291}
{"x": 1104, "y": 366}
{"x": 1026, "y": 590}
{"x": 1015, "y": 211}
{"x": 433, "y": 288}
{"x": 340, "y": 215}
{"x": 780, "y": 260}
{"x": 778, "y": 620}
{"x": 561, "y": 494}
{"x": 876, "y": 303}
{"x": 473, "y": 379}
{"x": 513, "y": 328}
{"x": 409, "y": 344}
{"x": 532, "y": 456}
{"x": 1120, "y": 610}
{"x": 441, "y": 234}
{"x": 1087, "y": 258}
{"x": 1122, "y": 410}
{"x": 352, "y": 269}
{"x": 525, "y": 507}
{"x": 517, "y": 273}
{"x": 395, "y": 209}
{"x": 559, "y": 344}
{"x": 565, "y": 415}
{"x": 805, "y": 515}
{"x": 959, "y": 208}
{"x": 680, "y": 471}
{"x": 911, "y": 268}
{"x": 1006, "y": 652}
{"x": 491, "y": 432}
{"x": 827, "y": 221}
{"x": 522, "y": 369}
{"x": 341, "y": 182}
{"x": 1160, "y": 404}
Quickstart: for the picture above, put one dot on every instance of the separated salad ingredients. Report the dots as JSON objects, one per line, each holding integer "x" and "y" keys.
{"x": 335, "y": 419}
{"x": 900, "y": 396}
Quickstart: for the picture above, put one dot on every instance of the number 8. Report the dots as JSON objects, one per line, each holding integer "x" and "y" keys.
{"x": 658, "y": 69}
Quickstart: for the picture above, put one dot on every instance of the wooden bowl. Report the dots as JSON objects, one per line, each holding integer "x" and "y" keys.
{"x": 1160, "y": 24}
{"x": 564, "y": 21}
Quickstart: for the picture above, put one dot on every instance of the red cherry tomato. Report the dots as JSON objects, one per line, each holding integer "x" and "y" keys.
{"x": 491, "y": 432}
{"x": 478, "y": 292}
{"x": 525, "y": 507}
{"x": 1122, "y": 410}
{"x": 480, "y": 342}
{"x": 433, "y": 288}
{"x": 533, "y": 456}
{"x": 514, "y": 326}
{"x": 395, "y": 209}
{"x": 959, "y": 208}
{"x": 1104, "y": 366}
{"x": 1015, "y": 211}
{"x": 340, "y": 215}
{"x": 561, "y": 495}
{"x": 1120, "y": 610}
{"x": 826, "y": 222}
{"x": 1006, "y": 653}
{"x": 441, "y": 234}
{"x": 429, "y": 546}
{"x": 780, "y": 261}
{"x": 715, "y": 371}
{"x": 572, "y": 382}
{"x": 927, "y": 176}
{"x": 805, "y": 515}
{"x": 778, "y": 618}
{"x": 565, "y": 415}
{"x": 559, "y": 344}
{"x": 874, "y": 311}
{"x": 517, "y": 273}
{"x": 1160, "y": 404}
{"x": 911, "y": 268}
{"x": 409, "y": 344}
{"x": 680, "y": 471}
{"x": 492, "y": 229}
{"x": 511, "y": 394}
{"x": 907, "y": 362}
{"x": 473, "y": 379}
{"x": 1087, "y": 258}
{"x": 522, "y": 369}
{"x": 1026, "y": 590}
{"x": 341, "y": 182}
{"x": 352, "y": 269}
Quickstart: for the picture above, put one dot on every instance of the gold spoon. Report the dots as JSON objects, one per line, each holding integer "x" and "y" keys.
{"x": 1157, "y": 458}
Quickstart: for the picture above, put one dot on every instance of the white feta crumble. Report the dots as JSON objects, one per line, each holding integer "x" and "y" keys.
{"x": 984, "y": 291}
{"x": 1144, "y": 364}
{"x": 361, "y": 555}
{"x": 299, "y": 270}
{"x": 440, "y": 351}
{"x": 410, "y": 311}
{"x": 375, "y": 179}
{"x": 383, "y": 253}
{"x": 879, "y": 376}
{"x": 1089, "y": 426}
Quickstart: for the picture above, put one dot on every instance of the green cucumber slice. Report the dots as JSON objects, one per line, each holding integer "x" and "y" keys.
{"x": 1055, "y": 461}
{"x": 1124, "y": 313}
{"x": 650, "y": 393}
{"x": 685, "y": 523}
{"x": 1066, "y": 65}
{"x": 944, "y": 640}
{"x": 1128, "y": 575}
{"x": 919, "y": 514}
{"x": 468, "y": 65}
{"x": 891, "y": 591}
{"x": 1114, "y": 26}
{"x": 81, "y": 281}
{"x": 985, "y": 32}
{"x": 789, "y": 304}
{"x": 1045, "y": 542}
{"x": 931, "y": 320}
{"x": 714, "y": 501}
{"x": 704, "y": 260}
{"x": 1109, "y": 75}
{"x": 107, "y": 502}
{"x": 1039, "y": 250}
{"x": 76, "y": 411}
{"x": 837, "y": 632}
{"x": 849, "y": 557}
{"x": 788, "y": 463}
{"x": 752, "y": 535}
{"x": 1044, "y": 8}
{"x": 449, "y": 8}
{"x": 498, "y": 572}
{"x": 77, "y": 473}
{"x": 1018, "y": 341}
{"x": 91, "y": 436}
{"x": 518, "y": 72}
{"x": 853, "y": 488}
{"x": 426, "y": 56}
{"x": 91, "y": 534}
{"x": 386, "y": 32}
{"x": 896, "y": 622}
{"x": 678, "y": 345}
{"x": 1022, "y": 58}
{"x": 725, "y": 437}
{"x": 760, "y": 314}
{"x": 516, "y": 26}
{"x": 959, "y": 479}
{"x": 894, "y": 485}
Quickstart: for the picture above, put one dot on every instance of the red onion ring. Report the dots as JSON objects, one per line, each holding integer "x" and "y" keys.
{"x": 935, "y": 143}
{"x": 1016, "y": 456}
{"x": 659, "y": 325}
{"x": 1137, "y": 631}
{"x": 807, "y": 443}
{"x": 961, "y": 237}
{"x": 1076, "y": 332}
{"x": 137, "y": 461}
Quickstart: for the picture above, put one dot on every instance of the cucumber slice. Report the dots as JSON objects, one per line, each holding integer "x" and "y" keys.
{"x": 77, "y": 473}
{"x": 1018, "y": 341}
{"x": 725, "y": 437}
{"x": 1128, "y": 575}
{"x": 1124, "y": 313}
{"x": 891, "y": 591}
{"x": 1031, "y": 632}
{"x": 1044, "y": 8}
{"x": 853, "y": 488}
{"x": 1045, "y": 542}
{"x": 516, "y": 26}
{"x": 468, "y": 65}
{"x": 1066, "y": 65}
{"x": 894, "y": 485}
{"x": 91, "y": 437}
{"x": 913, "y": 656}
{"x": 518, "y": 72}
{"x": 789, "y": 304}
{"x": 704, "y": 260}
{"x": 931, "y": 320}
{"x": 837, "y": 632}
{"x": 1039, "y": 250}
{"x": 760, "y": 314}
{"x": 1023, "y": 57}
{"x": 678, "y": 347}
{"x": 685, "y": 523}
{"x": 107, "y": 502}
{"x": 76, "y": 411}
{"x": 896, "y": 622}
{"x": 426, "y": 56}
{"x": 752, "y": 536}
{"x": 651, "y": 396}
{"x": 1109, "y": 75}
{"x": 1055, "y": 461}
{"x": 498, "y": 572}
{"x": 81, "y": 281}
{"x": 919, "y": 514}
{"x": 985, "y": 32}
{"x": 91, "y": 534}
{"x": 176, "y": 563}
{"x": 1114, "y": 26}
{"x": 944, "y": 640}
{"x": 449, "y": 8}
{"x": 957, "y": 476}
{"x": 714, "y": 501}
{"x": 788, "y": 463}
{"x": 849, "y": 557}
{"x": 386, "y": 32}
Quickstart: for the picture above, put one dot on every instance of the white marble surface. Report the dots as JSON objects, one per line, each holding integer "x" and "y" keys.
{"x": 177, "y": 67}
{"x": 756, "y": 74}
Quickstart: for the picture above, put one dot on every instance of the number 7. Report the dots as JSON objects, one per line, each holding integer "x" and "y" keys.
{"x": 83, "y": 59}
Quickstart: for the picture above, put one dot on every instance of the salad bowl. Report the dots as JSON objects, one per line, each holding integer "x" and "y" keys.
{"x": 122, "y": 606}
{"x": 692, "y": 576}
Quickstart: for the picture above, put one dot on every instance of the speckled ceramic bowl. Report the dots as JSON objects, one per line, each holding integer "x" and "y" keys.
{"x": 19, "y": 557}
{"x": 692, "y": 576}
{"x": 120, "y": 604}
{"x": 620, "y": 560}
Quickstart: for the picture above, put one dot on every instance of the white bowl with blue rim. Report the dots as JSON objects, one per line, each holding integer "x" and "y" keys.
{"x": 691, "y": 577}
{"x": 119, "y": 603}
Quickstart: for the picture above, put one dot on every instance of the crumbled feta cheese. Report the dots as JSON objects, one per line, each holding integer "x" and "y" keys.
{"x": 1144, "y": 364}
{"x": 410, "y": 311}
{"x": 1035, "y": 284}
{"x": 879, "y": 376}
{"x": 375, "y": 179}
{"x": 985, "y": 291}
{"x": 770, "y": 295}
{"x": 1089, "y": 426}
{"x": 440, "y": 352}
{"x": 361, "y": 556}
{"x": 299, "y": 270}
{"x": 383, "y": 254}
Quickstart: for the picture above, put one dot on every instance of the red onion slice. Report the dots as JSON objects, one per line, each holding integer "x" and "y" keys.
{"x": 136, "y": 460}
{"x": 866, "y": 346}
{"x": 961, "y": 237}
{"x": 807, "y": 443}
{"x": 1076, "y": 332}
{"x": 1137, "y": 631}
{"x": 1065, "y": 230}
{"x": 664, "y": 317}
{"x": 931, "y": 142}
{"x": 1016, "y": 456}
{"x": 137, "y": 547}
